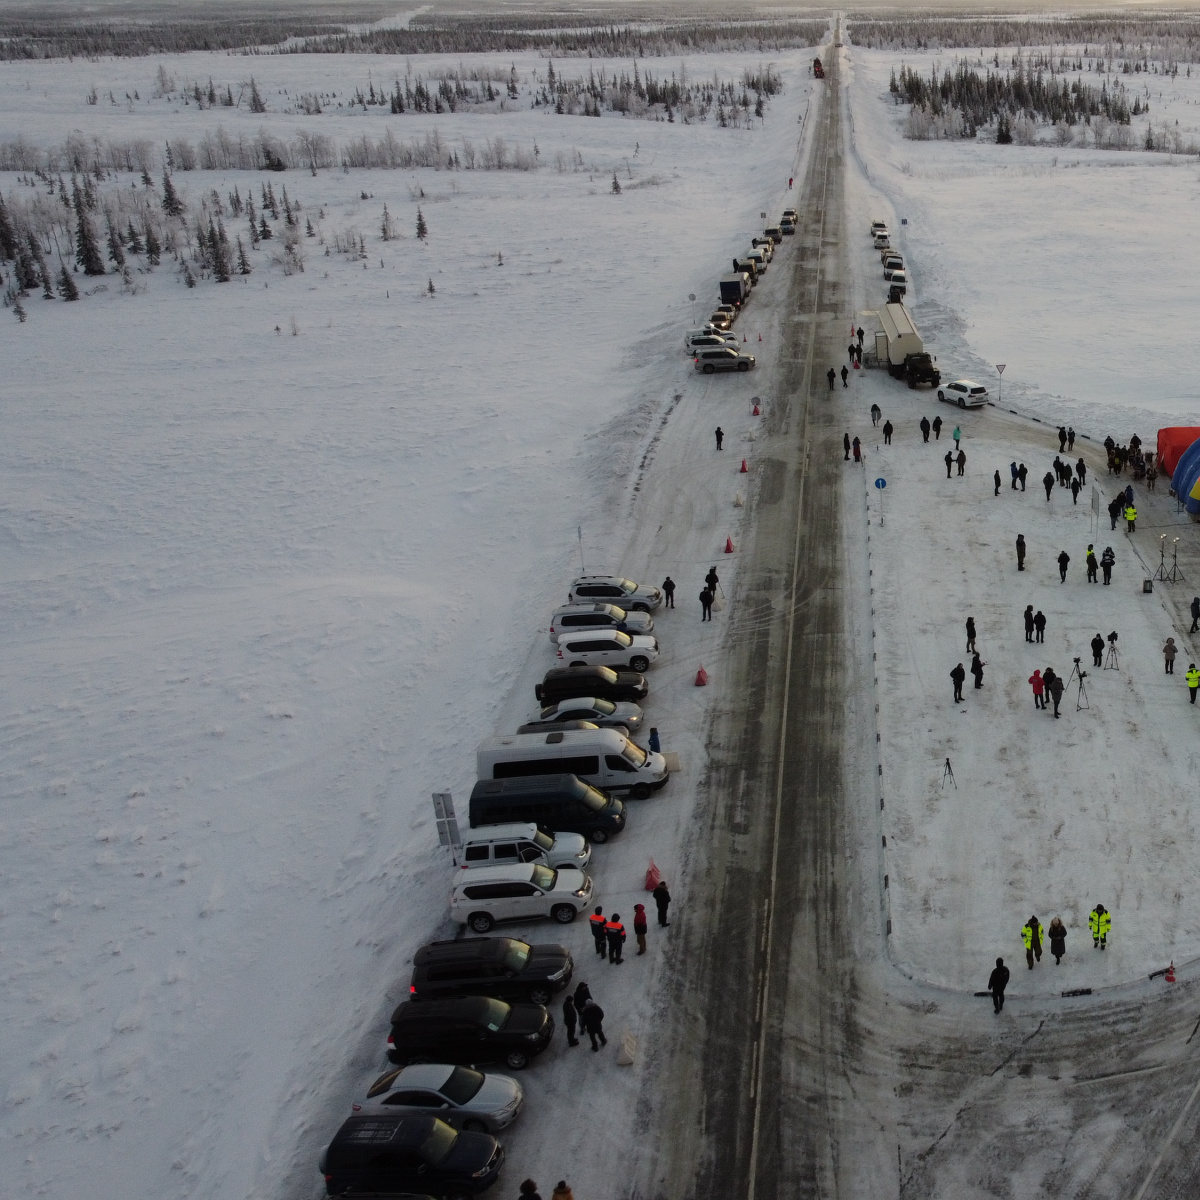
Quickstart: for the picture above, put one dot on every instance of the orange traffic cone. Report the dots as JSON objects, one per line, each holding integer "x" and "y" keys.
{"x": 1171, "y": 973}
{"x": 755, "y": 413}
{"x": 743, "y": 337}
{"x": 701, "y": 677}
{"x": 729, "y": 545}
{"x": 760, "y": 337}
{"x": 743, "y": 470}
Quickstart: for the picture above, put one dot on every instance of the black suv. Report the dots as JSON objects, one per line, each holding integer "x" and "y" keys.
{"x": 565, "y": 683}
{"x": 506, "y": 968}
{"x": 395, "y": 1155}
{"x": 473, "y": 1030}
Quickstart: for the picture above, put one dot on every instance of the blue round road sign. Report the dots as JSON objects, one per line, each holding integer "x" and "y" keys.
{"x": 881, "y": 483}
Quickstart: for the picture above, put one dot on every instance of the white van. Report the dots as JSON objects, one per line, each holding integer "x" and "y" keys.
{"x": 605, "y": 758}
{"x": 523, "y": 842}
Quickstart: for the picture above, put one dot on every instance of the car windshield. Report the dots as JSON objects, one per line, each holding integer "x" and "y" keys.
{"x": 517, "y": 954}
{"x": 495, "y": 1014}
{"x": 382, "y": 1084}
{"x": 542, "y": 842}
{"x": 605, "y": 707}
{"x": 627, "y": 586}
{"x": 594, "y": 800}
{"x": 543, "y": 878}
{"x": 622, "y": 639}
{"x": 462, "y": 1085}
{"x": 439, "y": 1143}
{"x": 634, "y": 754}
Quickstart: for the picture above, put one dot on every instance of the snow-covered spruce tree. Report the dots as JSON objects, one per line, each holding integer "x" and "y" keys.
{"x": 135, "y": 242}
{"x": 431, "y": 289}
{"x": 386, "y": 227}
{"x": 153, "y": 248}
{"x": 66, "y": 285}
{"x": 422, "y": 234}
{"x": 87, "y": 252}
{"x": 616, "y": 185}
{"x": 115, "y": 252}
{"x": 171, "y": 203}
{"x": 243, "y": 263}
{"x": 256, "y": 101}
{"x": 8, "y": 240}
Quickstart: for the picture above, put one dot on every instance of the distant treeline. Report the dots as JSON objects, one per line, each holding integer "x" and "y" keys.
{"x": 584, "y": 35}
{"x": 1118, "y": 41}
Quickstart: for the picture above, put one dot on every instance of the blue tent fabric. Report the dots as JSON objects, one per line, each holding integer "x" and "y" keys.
{"x": 1185, "y": 473}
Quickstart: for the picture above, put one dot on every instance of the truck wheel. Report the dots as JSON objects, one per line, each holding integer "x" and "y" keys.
{"x": 912, "y": 383}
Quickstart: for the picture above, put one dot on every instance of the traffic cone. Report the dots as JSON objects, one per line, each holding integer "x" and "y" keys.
{"x": 1171, "y": 973}
{"x": 729, "y": 545}
{"x": 702, "y": 677}
{"x": 755, "y": 412}
{"x": 743, "y": 470}
{"x": 760, "y": 337}
{"x": 743, "y": 337}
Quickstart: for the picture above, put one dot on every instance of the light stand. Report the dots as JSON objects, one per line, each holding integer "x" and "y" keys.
{"x": 1176, "y": 575}
{"x": 1161, "y": 573}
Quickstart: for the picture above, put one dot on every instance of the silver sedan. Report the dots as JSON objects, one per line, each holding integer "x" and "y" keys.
{"x": 460, "y": 1096}
{"x": 605, "y": 713}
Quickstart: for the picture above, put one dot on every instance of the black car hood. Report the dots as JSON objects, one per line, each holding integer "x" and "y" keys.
{"x": 545, "y": 960}
{"x": 526, "y": 1018}
{"x": 471, "y": 1152}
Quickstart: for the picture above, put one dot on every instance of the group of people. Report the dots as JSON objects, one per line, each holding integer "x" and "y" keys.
{"x": 1099, "y": 925}
{"x": 1141, "y": 466}
{"x": 529, "y": 1191}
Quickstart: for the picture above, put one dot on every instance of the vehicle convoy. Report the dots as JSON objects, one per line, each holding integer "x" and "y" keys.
{"x": 396, "y": 1153}
{"x": 735, "y": 289}
{"x": 462, "y": 1097}
{"x": 473, "y": 1030}
{"x": 898, "y": 346}
{"x": 605, "y": 758}
{"x": 503, "y": 968}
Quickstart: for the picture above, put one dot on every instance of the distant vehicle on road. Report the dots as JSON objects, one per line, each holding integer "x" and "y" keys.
{"x": 818, "y": 69}
{"x": 462, "y": 1097}
{"x": 723, "y": 358}
{"x": 964, "y": 393}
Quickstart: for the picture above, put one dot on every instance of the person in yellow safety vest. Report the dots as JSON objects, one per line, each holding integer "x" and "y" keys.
{"x": 1193, "y": 680}
{"x": 1100, "y": 922}
{"x": 1130, "y": 517}
{"x": 1031, "y": 935}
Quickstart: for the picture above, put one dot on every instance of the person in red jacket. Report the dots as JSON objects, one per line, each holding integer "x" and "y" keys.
{"x": 1039, "y": 698}
{"x": 639, "y": 926}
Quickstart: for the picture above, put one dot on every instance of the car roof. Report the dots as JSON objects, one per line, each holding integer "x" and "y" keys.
{"x": 564, "y": 638}
{"x": 587, "y": 606}
{"x": 463, "y": 1008}
{"x": 968, "y": 383}
{"x": 385, "y": 1129}
{"x": 504, "y": 874}
{"x": 475, "y": 950}
{"x": 497, "y": 833}
{"x": 595, "y": 670}
{"x": 425, "y": 1075}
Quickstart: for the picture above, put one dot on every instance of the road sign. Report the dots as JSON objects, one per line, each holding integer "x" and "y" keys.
{"x": 763, "y": 215}
{"x": 881, "y": 483}
{"x": 903, "y": 220}
{"x": 1000, "y": 367}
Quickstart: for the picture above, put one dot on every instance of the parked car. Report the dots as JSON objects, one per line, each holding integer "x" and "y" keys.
{"x": 590, "y": 615}
{"x": 774, "y": 233}
{"x": 562, "y": 726}
{"x": 526, "y": 892}
{"x": 788, "y": 226}
{"x": 899, "y": 283}
{"x": 610, "y": 648}
{"x": 394, "y": 1154}
{"x": 635, "y": 597}
{"x": 726, "y": 310}
{"x": 878, "y": 227}
{"x": 564, "y": 683}
{"x": 759, "y": 255}
{"x": 891, "y": 264}
{"x": 748, "y": 266}
{"x": 964, "y": 393}
{"x": 461, "y": 1096}
{"x": 722, "y": 358}
{"x": 790, "y": 214}
{"x": 471, "y": 1030}
{"x": 704, "y": 341}
{"x": 523, "y": 842}
{"x": 605, "y": 713}
{"x": 896, "y": 294}
{"x": 883, "y": 240}
{"x": 551, "y": 802}
{"x": 720, "y": 321}
{"x": 503, "y": 968}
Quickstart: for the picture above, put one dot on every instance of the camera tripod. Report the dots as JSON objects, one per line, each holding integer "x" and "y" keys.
{"x": 1112, "y": 660}
{"x": 1081, "y": 696}
{"x": 948, "y": 773}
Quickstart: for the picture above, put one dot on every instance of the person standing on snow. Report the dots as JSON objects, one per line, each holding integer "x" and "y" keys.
{"x": 1020, "y": 552}
{"x": 719, "y": 434}
{"x": 529, "y": 1190}
{"x": 712, "y": 579}
{"x": 1075, "y": 489}
{"x": 888, "y": 430}
{"x": 856, "y": 449}
{"x": 639, "y": 926}
{"x": 597, "y": 922}
{"x": 592, "y": 1020}
{"x": 970, "y": 634}
{"x": 861, "y": 335}
{"x": 662, "y": 900}
{"x": 937, "y": 428}
{"x": 1130, "y": 517}
{"x": 570, "y": 1019}
{"x": 1193, "y": 681}
{"x": 997, "y": 982}
{"x": 562, "y": 1192}
{"x": 614, "y": 931}
{"x": 1058, "y": 939}
{"x": 1048, "y": 484}
{"x": 1195, "y": 614}
{"x": 949, "y": 462}
{"x": 846, "y": 446}
{"x": 1099, "y": 922}
{"x": 706, "y": 603}
{"x": 876, "y": 413}
{"x": 1070, "y": 438}
{"x": 1029, "y": 622}
{"x": 1012, "y": 470}
{"x": 925, "y": 428}
{"x": 1022, "y": 475}
{"x": 957, "y": 434}
{"x": 1035, "y": 682}
{"x": 959, "y": 676}
{"x": 1056, "y": 691}
{"x": 1081, "y": 471}
{"x": 977, "y": 665}
{"x": 1039, "y": 623}
{"x": 668, "y": 588}
{"x": 1114, "y": 510}
{"x": 997, "y": 491}
{"x": 1093, "y": 566}
{"x": 831, "y": 375}
{"x": 845, "y": 375}
{"x": 962, "y": 461}
{"x": 1062, "y": 439}
{"x": 1107, "y": 560}
{"x": 1064, "y": 561}
{"x": 1031, "y": 935}
{"x": 1169, "y": 657}
{"x": 1097, "y": 650}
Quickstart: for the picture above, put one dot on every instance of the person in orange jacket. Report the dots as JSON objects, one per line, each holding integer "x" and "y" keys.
{"x": 615, "y": 932}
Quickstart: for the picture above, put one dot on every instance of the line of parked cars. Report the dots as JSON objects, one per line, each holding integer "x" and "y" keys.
{"x": 546, "y": 794}
{"x": 714, "y": 346}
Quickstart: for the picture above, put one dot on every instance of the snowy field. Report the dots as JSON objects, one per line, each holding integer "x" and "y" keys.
{"x": 280, "y": 552}
{"x": 1068, "y": 266}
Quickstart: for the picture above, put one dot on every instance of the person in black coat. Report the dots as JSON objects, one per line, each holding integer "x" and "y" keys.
{"x": 846, "y": 446}
{"x": 662, "y": 900}
{"x": 706, "y": 603}
{"x": 949, "y": 461}
{"x": 1070, "y": 438}
{"x": 1093, "y": 564}
{"x": 582, "y": 995}
{"x": 1107, "y": 561}
{"x": 845, "y": 375}
{"x": 668, "y": 587}
{"x": 1020, "y": 552}
{"x": 1076, "y": 487}
{"x": 997, "y": 491}
{"x": 1029, "y": 622}
{"x": 925, "y": 428}
{"x": 1048, "y": 483}
{"x": 937, "y": 429}
{"x": 977, "y": 665}
{"x": 712, "y": 579}
{"x": 831, "y": 375}
{"x": 592, "y": 1020}
{"x": 1097, "y": 650}
{"x": 888, "y": 430}
{"x": 719, "y": 434}
{"x": 1022, "y": 475}
{"x": 1056, "y": 691}
{"x": 570, "y": 1017}
{"x": 1195, "y": 614}
{"x": 1081, "y": 471}
{"x": 529, "y": 1191}
{"x": 971, "y": 633}
{"x": 997, "y": 982}
{"x": 1062, "y": 439}
{"x": 959, "y": 676}
{"x": 615, "y": 932}
{"x": 1039, "y": 623}
{"x": 1064, "y": 561}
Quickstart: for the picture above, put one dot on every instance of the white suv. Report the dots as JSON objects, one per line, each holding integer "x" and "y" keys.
{"x": 607, "y": 648}
{"x": 964, "y": 393}
{"x": 612, "y": 588}
{"x": 573, "y": 617}
{"x": 528, "y": 891}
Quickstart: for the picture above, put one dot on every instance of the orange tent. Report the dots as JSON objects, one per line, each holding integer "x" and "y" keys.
{"x": 1172, "y": 442}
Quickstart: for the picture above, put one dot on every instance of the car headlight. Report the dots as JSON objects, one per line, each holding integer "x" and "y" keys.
{"x": 559, "y": 974}
{"x": 581, "y": 892}
{"x": 533, "y": 1037}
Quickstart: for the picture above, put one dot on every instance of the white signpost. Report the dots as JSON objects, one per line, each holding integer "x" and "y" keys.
{"x": 1000, "y": 368}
